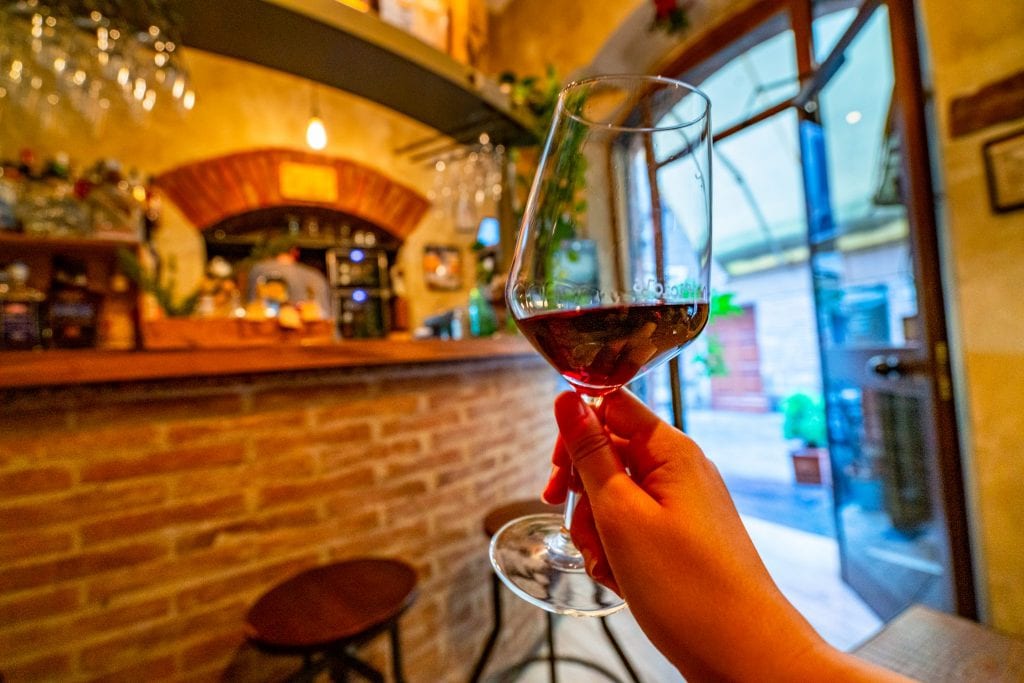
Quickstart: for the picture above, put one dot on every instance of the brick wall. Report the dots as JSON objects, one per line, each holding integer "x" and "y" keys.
{"x": 139, "y": 522}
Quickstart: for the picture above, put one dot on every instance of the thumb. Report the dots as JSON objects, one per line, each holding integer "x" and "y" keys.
{"x": 588, "y": 444}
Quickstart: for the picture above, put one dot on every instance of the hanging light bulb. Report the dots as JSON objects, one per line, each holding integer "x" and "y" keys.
{"x": 316, "y": 133}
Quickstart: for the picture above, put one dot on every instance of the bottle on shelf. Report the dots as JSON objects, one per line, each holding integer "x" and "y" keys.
{"x": 117, "y": 316}
{"x": 10, "y": 195}
{"x": 21, "y": 324}
{"x": 73, "y": 309}
{"x": 482, "y": 321}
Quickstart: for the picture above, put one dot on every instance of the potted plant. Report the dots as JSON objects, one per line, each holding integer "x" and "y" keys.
{"x": 804, "y": 422}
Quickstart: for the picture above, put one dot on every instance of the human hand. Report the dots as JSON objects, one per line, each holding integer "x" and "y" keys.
{"x": 657, "y": 525}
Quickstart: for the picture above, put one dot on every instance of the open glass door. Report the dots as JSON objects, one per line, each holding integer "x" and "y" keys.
{"x": 898, "y": 494}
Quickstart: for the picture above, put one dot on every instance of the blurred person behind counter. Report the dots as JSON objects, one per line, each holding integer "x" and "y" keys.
{"x": 280, "y": 278}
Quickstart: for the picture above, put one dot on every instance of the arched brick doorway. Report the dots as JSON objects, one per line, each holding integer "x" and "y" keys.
{"x": 212, "y": 190}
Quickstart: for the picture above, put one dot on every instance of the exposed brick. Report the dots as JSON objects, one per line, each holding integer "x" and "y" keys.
{"x": 132, "y": 645}
{"x": 179, "y": 433}
{"x": 127, "y": 526}
{"x": 361, "y": 408}
{"x": 421, "y": 422}
{"x": 163, "y": 462}
{"x": 30, "y": 421}
{"x": 417, "y": 463}
{"x": 336, "y": 456}
{"x": 38, "y": 480}
{"x": 147, "y": 409}
{"x": 344, "y": 432}
{"x": 289, "y": 398}
{"x": 158, "y": 668}
{"x": 78, "y": 566}
{"x": 453, "y": 475}
{"x": 40, "y": 638}
{"x": 428, "y": 383}
{"x": 199, "y": 483}
{"x": 28, "y": 608}
{"x": 353, "y": 479}
{"x": 18, "y": 546}
{"x": 285, "y": 460}
{"x": 81, "y": 504}
{"x": 473, "y": 395}
{"x": 238, "y": 583}
{"x": 298, "y": 517}
{"x": 84, "y": 444}
{"x": 50, "y": 667}
{"x": 216, "y": 648}
{"x": 227, "y": 488}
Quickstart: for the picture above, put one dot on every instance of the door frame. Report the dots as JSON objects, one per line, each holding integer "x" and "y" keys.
{"x": 705, "y": 54}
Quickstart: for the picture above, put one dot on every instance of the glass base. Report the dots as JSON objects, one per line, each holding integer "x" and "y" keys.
{"x": 532, "y": 558}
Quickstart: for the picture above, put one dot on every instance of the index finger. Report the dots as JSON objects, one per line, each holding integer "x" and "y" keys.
{"x": 626, "y": 416}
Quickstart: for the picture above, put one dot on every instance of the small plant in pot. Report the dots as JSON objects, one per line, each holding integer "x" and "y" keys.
{"x": 804, "y": 423}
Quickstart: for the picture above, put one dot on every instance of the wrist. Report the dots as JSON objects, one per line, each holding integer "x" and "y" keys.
{"x": 823, "y": 662}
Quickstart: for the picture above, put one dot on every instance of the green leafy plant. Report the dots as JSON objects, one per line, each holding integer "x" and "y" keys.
{"x": 713, "y": 357}
{"x": 804, "y": 419}
{"x": 161, "y": 290}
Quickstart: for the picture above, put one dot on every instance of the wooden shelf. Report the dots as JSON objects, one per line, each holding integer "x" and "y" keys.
{"x": 22, "y": 242}
{"x": 23, "y": 369}
{"x": 327, "y": 42}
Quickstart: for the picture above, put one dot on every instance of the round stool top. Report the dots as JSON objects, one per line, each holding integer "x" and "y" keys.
{"x": 335, "y": 602}
{"x": 500, "y": 516}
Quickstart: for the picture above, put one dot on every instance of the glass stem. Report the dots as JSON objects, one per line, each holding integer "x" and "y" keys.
{"x": 572, "y": 495}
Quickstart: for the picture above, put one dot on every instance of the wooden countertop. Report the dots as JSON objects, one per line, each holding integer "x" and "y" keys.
{"x": 62, "y": 368}
{"x": 934, "y": 647}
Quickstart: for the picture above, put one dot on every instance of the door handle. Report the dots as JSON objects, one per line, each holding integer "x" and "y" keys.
{"x": 891, "y": 365}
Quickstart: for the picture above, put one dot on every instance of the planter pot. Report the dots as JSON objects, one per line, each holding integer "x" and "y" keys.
{"x": 220, "y": 333}
{"x": 811, "y": 466}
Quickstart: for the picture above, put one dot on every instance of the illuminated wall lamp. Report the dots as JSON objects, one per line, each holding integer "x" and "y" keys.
{"x": 316, "y": 133}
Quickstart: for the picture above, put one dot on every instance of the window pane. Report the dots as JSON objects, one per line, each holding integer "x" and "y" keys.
{"x": 756, "y": 79}
{"x": 758, "y": 196}
{"x": 828, "y": 29}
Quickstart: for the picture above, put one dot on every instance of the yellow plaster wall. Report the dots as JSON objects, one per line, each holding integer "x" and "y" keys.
{"x": 242, "y": 106}
{"x": 531, "y": 34}
{"x": 972, "y": 44}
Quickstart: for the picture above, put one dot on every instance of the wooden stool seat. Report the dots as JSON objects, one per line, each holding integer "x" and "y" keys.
{"x": 500, "y": 516}
{"x": 324, "y": 611}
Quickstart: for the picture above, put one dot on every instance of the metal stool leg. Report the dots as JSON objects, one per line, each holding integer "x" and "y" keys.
{"x": 551, "y": 647}
{"x": 485, "y": 655}
{"x": 619, "y": 651}
{"x": 396, "y": 653}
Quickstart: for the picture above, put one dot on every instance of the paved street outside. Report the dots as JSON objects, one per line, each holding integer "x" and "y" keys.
{"x": 753, "y": 457}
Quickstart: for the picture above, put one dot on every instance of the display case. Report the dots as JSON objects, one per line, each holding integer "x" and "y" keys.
{"x": 361, "y": 290}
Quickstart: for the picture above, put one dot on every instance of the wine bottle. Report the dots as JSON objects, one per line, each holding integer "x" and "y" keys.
{"x": 20, "y": 320}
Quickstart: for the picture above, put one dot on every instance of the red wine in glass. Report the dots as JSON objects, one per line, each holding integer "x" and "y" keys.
{"x": 599, "y": 350}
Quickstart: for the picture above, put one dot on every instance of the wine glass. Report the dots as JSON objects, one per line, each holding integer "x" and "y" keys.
{"x": 609, "y": 278}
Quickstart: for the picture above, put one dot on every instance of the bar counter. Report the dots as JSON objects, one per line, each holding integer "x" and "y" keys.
{"x": 148, "y": 498}
{"x": 55, "y": 368}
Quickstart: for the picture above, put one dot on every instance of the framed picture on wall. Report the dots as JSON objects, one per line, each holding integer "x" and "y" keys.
{"x": 1004, "y": 166}
{"x": 442, "y": 267}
